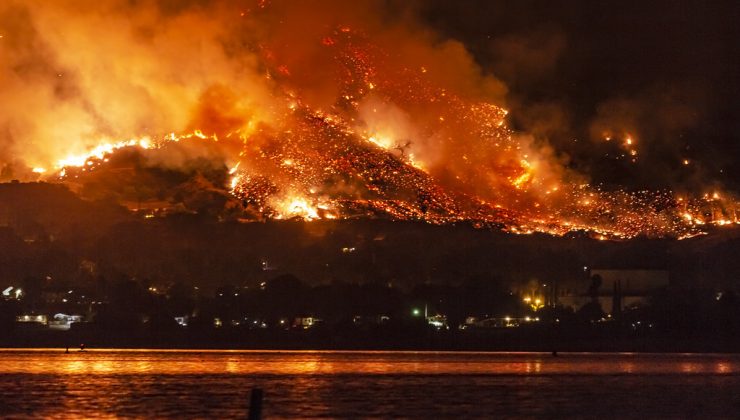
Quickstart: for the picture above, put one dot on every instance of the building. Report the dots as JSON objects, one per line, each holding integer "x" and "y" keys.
{"x": 615, "y": 290}
{"x": 63, "y": 321}
{"x": 32, "y": 319}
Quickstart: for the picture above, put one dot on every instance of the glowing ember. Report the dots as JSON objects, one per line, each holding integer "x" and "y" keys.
{"x": 394, "y": 141}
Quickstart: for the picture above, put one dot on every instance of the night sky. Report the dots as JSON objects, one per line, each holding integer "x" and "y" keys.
{"x": 667, "y": 71}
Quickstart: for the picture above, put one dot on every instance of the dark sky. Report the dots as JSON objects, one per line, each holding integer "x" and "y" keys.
{"x": 668, "y": 72}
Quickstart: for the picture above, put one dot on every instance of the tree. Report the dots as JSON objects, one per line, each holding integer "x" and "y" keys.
{"x": 593, "y": 289}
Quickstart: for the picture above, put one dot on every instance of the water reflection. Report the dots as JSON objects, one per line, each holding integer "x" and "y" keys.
{"x": 723, "y": 367}
{"x": 183, "y": 384}
{"x": 329, "y": 363}
{"x": 628, "y": 367}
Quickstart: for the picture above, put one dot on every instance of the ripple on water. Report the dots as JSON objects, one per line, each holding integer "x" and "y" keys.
{"x": 189, "y": 384}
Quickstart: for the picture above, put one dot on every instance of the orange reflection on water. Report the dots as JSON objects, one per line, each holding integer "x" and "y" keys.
{"x": 336, "y": 384}
{"x": 628, "y": 367}
{"x": 688, "y": 367}
{"x": 723, "y": 367}
{"x": 113, "y": 361}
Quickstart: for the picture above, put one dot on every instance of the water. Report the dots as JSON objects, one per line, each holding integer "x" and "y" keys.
{"x": 216, "y": 384}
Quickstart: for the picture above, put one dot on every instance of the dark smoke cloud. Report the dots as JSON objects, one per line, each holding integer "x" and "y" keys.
{"x": 660, "y": 121}
{"x": 668, "y": 70}
{"x": 525, "y": 58}
{"x": 75, "y": 73}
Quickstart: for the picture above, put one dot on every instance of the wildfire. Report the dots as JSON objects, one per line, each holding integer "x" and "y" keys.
{"x": 303, "y": 208}
{"x": 100, "y": 151}
{"x": 396, "y": 143}
{"x": 298, "y": 207}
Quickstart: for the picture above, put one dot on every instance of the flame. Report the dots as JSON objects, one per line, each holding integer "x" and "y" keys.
{"x": 295, "y": 206}
{"x": 100, "y": 151}
{"x": 401, "y": 136}
{"x": 381, "y": 141}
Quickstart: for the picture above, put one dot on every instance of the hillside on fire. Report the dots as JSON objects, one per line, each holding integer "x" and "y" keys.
{"x": 362, "y": 111}
{"x": 211, "y": 149}
{"x": 48, "y": 232}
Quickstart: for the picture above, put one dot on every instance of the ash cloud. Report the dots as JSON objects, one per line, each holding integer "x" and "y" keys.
{"x": 577, "y": 64}
{"x": 83, "y": 72}
{"x": 80, "y": 73}
{"x": 76, "y": 73}
{"x": 660, "y": 122}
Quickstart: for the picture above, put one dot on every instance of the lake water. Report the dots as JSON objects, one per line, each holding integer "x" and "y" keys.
{"x": 305, "y": 384}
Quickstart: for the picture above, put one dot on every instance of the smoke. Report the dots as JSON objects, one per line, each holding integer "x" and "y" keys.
{"x": 76, "y": 73}
{"x": 656, "y": 127}
{"x": 302, "y": 102}
{"x": 674, "y": 63}
{"x": 524, "y": 59}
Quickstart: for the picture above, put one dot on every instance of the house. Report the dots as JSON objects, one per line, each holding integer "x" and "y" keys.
{"x": 616, "y": 289}
{"x": 32, "y": 320}
{"x": 63, "y": 322}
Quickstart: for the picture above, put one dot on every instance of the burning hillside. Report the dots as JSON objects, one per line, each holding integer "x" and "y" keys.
{"x": 316, "y": 119}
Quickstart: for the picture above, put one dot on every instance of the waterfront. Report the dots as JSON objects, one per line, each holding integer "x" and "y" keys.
{"x": 189, "y": 384}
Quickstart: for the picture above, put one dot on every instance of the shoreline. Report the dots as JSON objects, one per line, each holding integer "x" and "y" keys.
{"x": 665, "y": 346}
